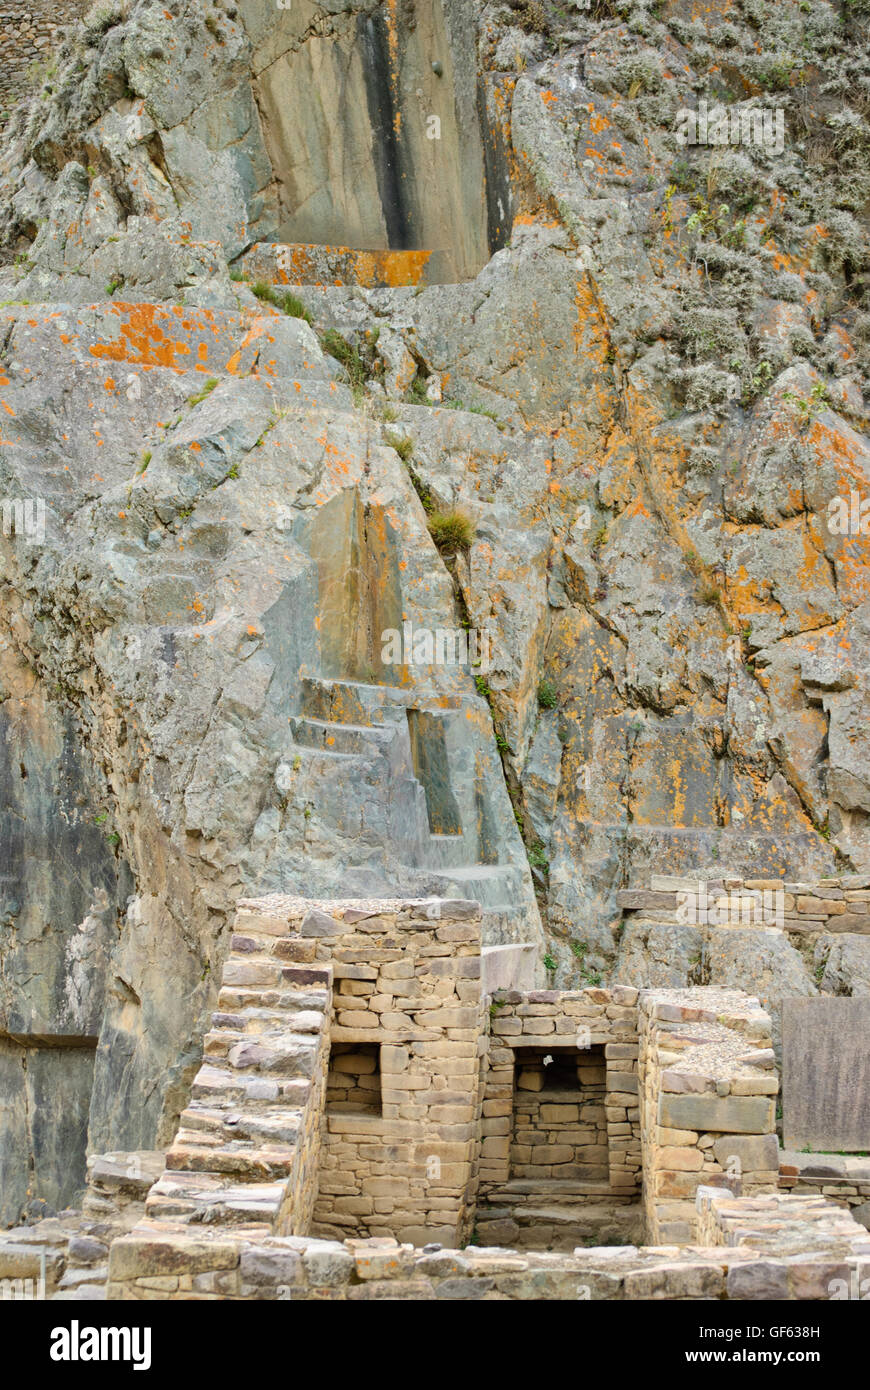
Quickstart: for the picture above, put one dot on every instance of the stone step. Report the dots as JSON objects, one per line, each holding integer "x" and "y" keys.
{"x": 191, "y": 1152}
{"x": 356, "y": 702}
{"x": 282, "y": 1054}
{"x": 274, "y": 1124}
{"x": 255, "y": 1021}
{"x": 215, "y": 1084}
{"x": 492, "y": 885}
{"x": 308, "y": 263}
{"x": 332, "y": 737}
{"x": 550, "y": 1191}
{"x": 286, "y": 1001}
{"x": 187, "y": 1196}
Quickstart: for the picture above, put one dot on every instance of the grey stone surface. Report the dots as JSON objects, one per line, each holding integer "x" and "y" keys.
{"x": 826, "y": 1074}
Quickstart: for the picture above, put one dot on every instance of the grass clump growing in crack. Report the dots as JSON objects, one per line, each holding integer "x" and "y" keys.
{"x": 451, "y": 531}
{"x": 402, "y": 443}
{"x": 338, "y": 347}
{"x": 289, "y": 303}
{"x": 206, "y": 391}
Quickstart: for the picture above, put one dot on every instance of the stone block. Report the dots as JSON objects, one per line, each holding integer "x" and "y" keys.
{"x": 826, "y": 1066}
{"x": 716, "y": 1114}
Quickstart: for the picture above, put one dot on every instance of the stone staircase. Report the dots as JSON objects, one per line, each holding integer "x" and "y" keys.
{"x": 415, "y": 823}
{"x": 246, "y": 1149}
{"x": 555, "y": 1214}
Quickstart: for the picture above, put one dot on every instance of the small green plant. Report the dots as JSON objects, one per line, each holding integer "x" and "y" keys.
{"x": 483, "y": 687}
{"x": 807, "y": 408}
{"x": 538, "y": 857}
{"x": 112, "y": 286}
{"x": 403, "y": 445}
{"x": 579, "y": 948}
{"x": 207, "y": 389}
{"x": 667, "y": 214}
{"x": 284, "y": 300}
{"x": 495, "y": 1004}
{"x": 338, "y": 347}
{"x": 389, "y": 414}
{"x": 416, "y": 392}
{"x": 709, "y": 593}
{"x": 144, "y": 461}
{"x": 758, "y": 382}
{"x": 451, "y": 531}
{"x": 548, "y": 696}
{"x": 549, "y": 963}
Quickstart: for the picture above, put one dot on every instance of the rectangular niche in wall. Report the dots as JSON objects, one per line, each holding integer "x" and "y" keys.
{"x": 353, "y": 1085}
{"x": 559, "y": 1120}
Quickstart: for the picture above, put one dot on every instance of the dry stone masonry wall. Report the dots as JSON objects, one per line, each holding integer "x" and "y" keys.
{"x": 708, "y": 1102}
{"x": 28, "y": 30}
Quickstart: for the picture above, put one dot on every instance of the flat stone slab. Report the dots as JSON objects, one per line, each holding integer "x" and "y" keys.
{"x": 281, "y": 263}
{"x": 826, "y": 1074}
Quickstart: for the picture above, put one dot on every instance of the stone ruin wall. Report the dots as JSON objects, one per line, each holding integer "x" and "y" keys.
{"x": 28, "y": 30}
{"x": 345, "y": 1200}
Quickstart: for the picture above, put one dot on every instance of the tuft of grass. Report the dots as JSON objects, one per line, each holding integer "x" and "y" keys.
{"x": 403, "y": 445}
{"x": 285, "y": 300}
{"x": 338, "y": 347}
{"x": 206, "y": 391}
{"x": 548, "y": 695}
{"x": 451, "y": 531}
{"x": 144, "y": 460}
{"x": 709, "y": 593}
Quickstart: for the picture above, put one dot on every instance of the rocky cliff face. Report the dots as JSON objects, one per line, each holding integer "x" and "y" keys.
{"x": 642, "y": 382}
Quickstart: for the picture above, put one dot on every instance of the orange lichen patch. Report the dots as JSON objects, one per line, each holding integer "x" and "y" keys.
{"x": 149, "y": 336}
{"x": 529, "y": 219}
{"x": 637, "y": 507}
{"x": 110, "y": 384}
{"x": 548, "y": 97}
{"x": 7, "y": 407}
{"x": 746, "y": 596}
{"x": 311, "y": 264}
{"x": 598, "y": 122}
